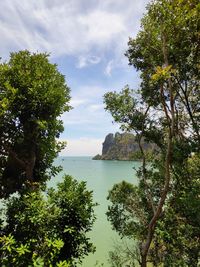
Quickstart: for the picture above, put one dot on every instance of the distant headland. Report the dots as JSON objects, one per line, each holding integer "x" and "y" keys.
{"x": 122, "y": 146}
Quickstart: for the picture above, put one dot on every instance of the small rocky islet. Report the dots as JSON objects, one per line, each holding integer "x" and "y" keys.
{"x": 123, "y": 146}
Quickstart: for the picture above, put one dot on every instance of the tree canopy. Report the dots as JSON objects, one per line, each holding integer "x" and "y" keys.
{"x": 33, "y": 95}
{"x": 48, "y": 230}
{"x": 165, "y": 111}
{"x": 38, "y": 227}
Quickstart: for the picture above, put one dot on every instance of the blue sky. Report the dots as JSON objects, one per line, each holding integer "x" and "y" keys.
{"x": 87, "y": 39}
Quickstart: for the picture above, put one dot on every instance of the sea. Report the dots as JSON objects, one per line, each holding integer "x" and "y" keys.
{"x": 100, "y": 176}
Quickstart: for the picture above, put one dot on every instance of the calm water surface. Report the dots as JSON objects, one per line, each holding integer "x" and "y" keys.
{"x": 100, "y": 177}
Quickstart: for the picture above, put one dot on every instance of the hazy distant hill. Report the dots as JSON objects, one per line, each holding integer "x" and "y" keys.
{"x": 122, "y": 147}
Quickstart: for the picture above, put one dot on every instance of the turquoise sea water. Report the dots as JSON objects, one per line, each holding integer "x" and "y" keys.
{"x": 100, "y": 177}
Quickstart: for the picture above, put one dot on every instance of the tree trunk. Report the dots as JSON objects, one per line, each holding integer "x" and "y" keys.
{"x": 171, "y": 125}
{"x": 30, "y": 166}
{"x": 144, "y": 261}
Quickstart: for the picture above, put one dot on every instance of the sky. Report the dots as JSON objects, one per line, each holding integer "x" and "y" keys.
{"x": 87, "y": 39}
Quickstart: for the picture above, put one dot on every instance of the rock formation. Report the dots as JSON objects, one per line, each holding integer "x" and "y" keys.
{"x": 122, "y": 147}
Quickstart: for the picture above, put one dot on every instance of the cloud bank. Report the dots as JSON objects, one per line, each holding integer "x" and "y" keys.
{"x": 82, "y": 147}
{"x": 84, "y": 29}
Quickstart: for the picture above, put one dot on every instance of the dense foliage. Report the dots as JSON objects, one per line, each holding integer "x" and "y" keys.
{"x": 33, "y": 95}
{"x": 37, "y": 227}
{"x": 50, "y": 229}
{"x": 162, "y": 212}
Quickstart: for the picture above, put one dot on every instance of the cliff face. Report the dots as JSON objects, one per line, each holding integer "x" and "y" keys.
{"x": 108, "y": 143}
{"x": 121, "y": 147}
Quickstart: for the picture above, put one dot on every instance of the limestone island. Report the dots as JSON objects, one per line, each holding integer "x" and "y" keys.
{"x": 122, "y": 146}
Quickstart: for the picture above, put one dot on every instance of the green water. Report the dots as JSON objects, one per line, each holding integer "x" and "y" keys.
{"x": 100, "y": 177}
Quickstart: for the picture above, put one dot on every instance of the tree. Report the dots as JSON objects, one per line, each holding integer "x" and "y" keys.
{"x": 49, "y": 229}
{"x": 181, "y": 240}
{"x": 166, "y": 52}
{"x": 33, "y": 95}
{"x": 38, "y": 227}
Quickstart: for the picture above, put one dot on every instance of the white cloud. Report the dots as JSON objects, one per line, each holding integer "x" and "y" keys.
{"x": 96, "y": 107}
{"x": 109, "y": 68}
{"x": 85, "y": 61}
{"x": 102, "y": 26}
{"x": 75, "y": 102}
{"x": 89, "y": 92}
{"x": 88, "y": 107}
{"x": 72, "y": 27}
{"x": 82, "y": 147}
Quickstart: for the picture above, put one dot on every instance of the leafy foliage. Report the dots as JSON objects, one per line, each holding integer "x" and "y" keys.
{"x": 33, "y": 95}
{"x": 38, "y": 228}
{"x": 48, "y": 230}
{"x": 166, "y": 52}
